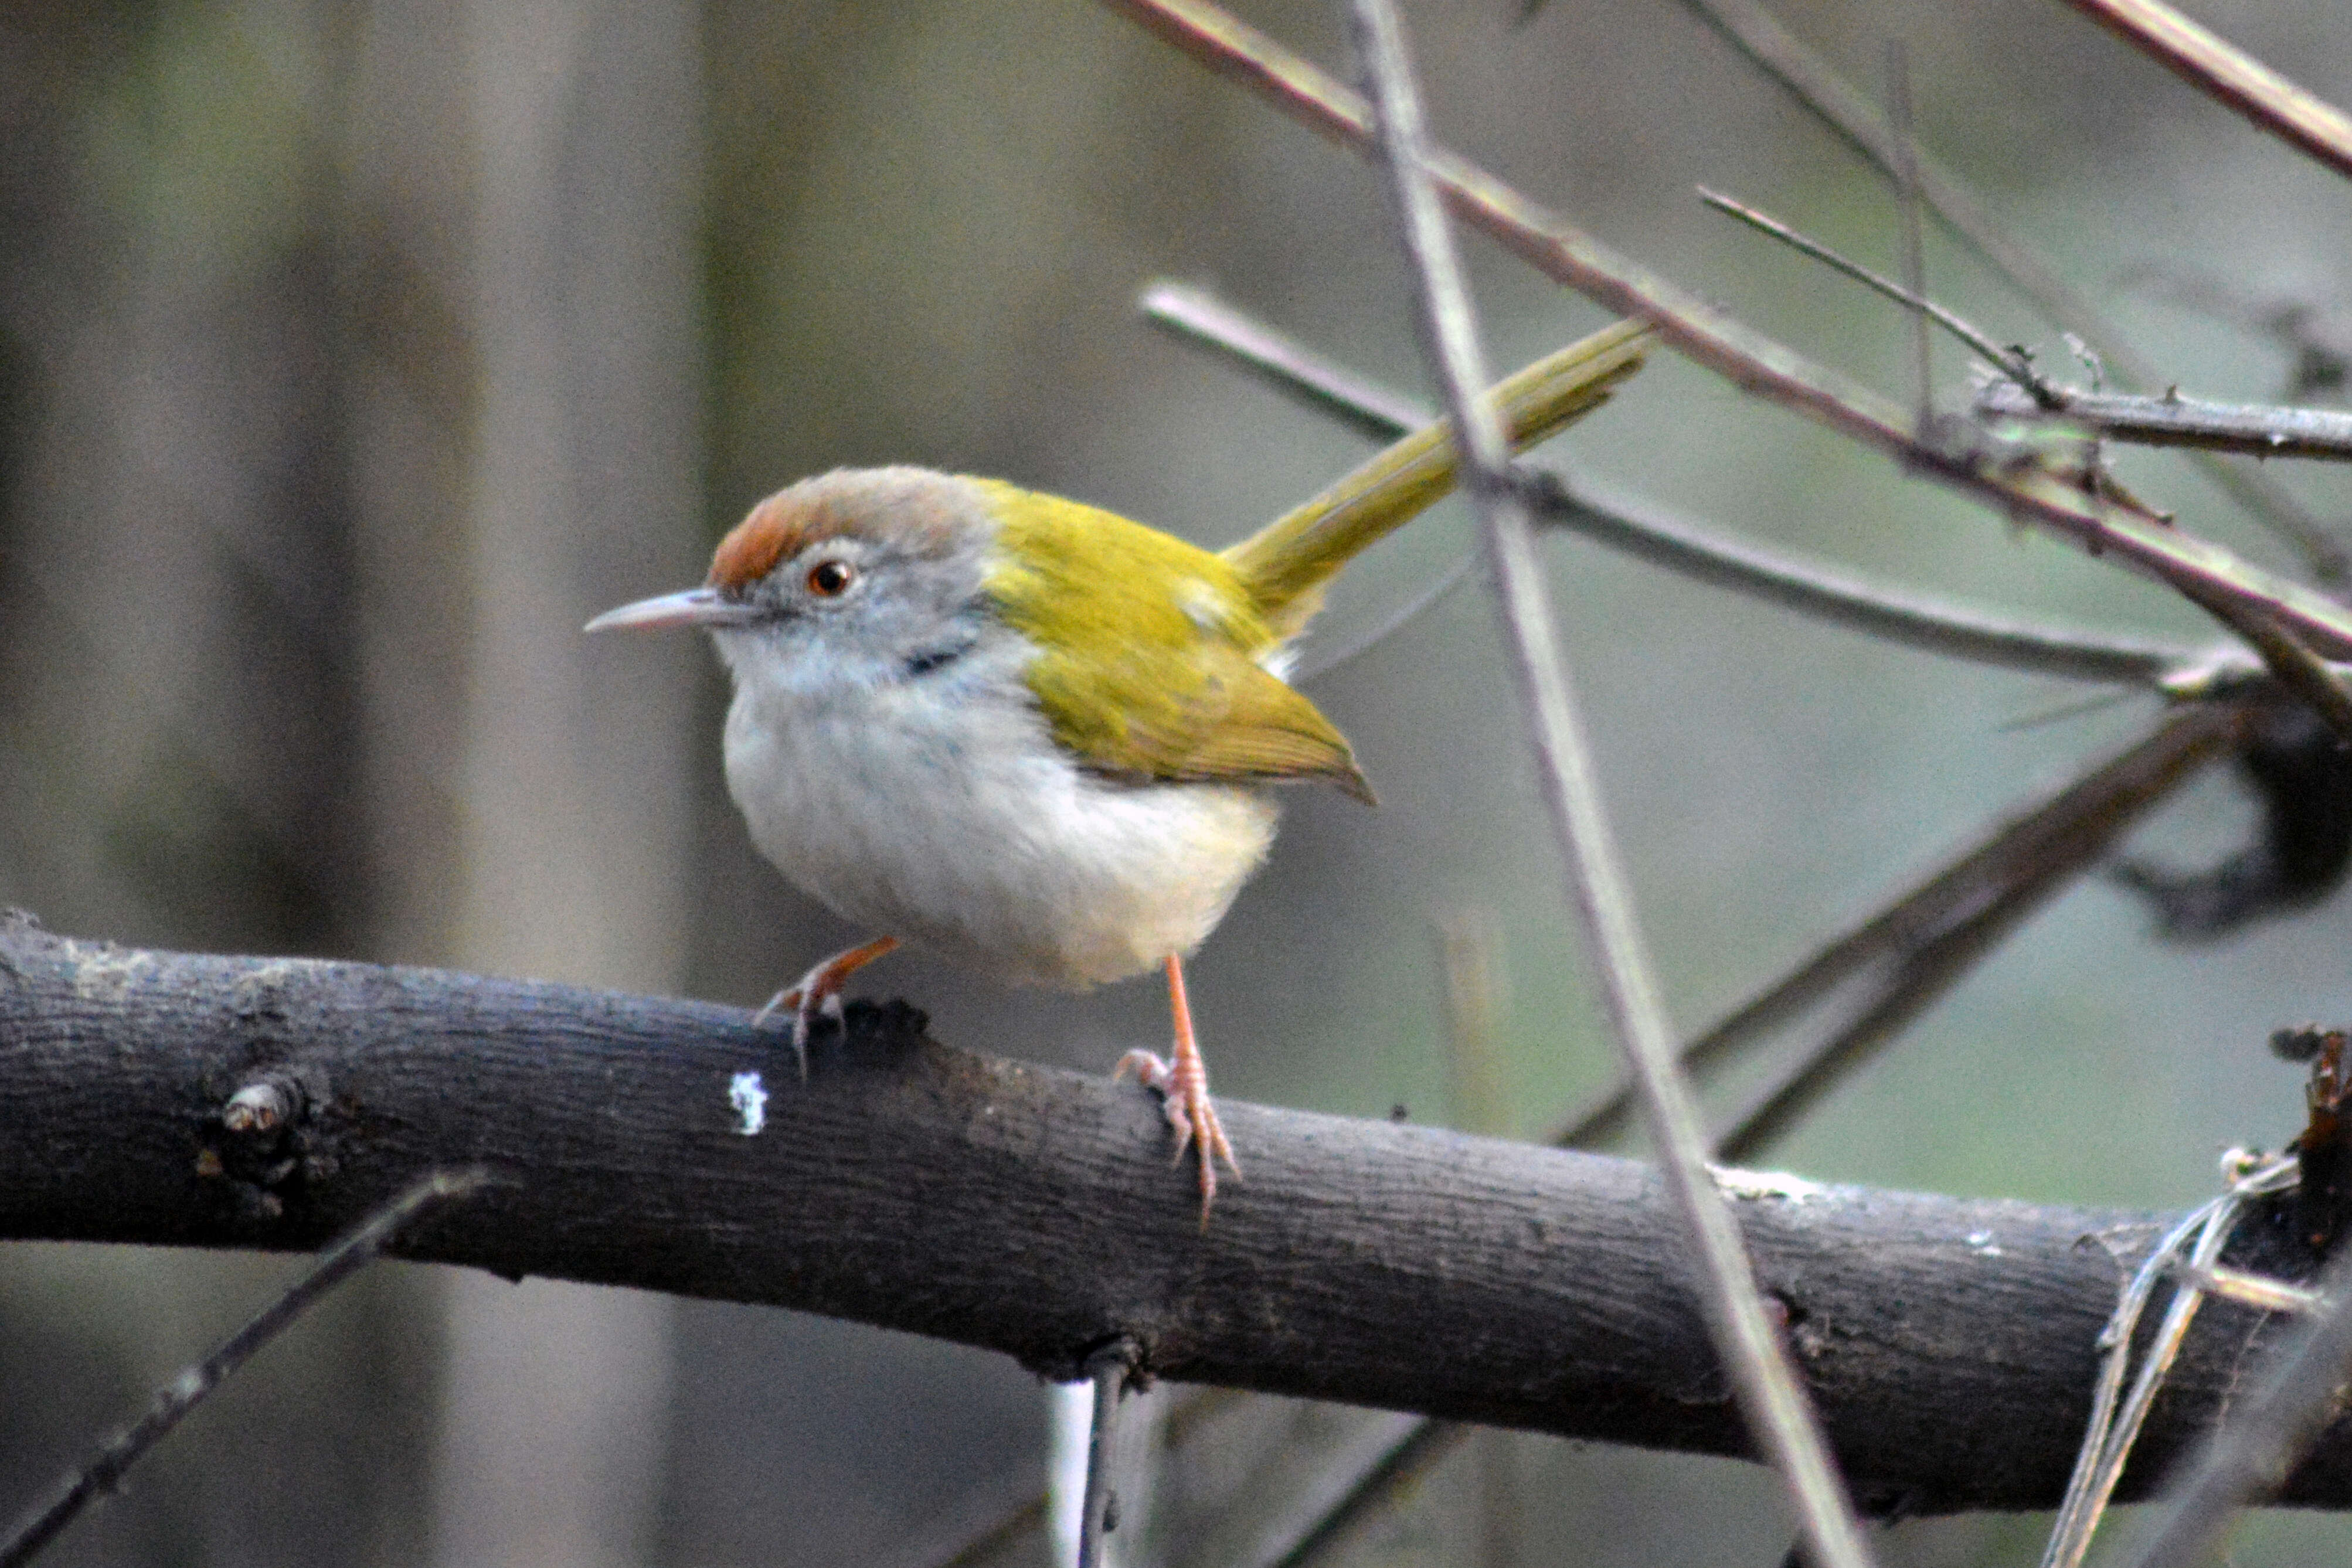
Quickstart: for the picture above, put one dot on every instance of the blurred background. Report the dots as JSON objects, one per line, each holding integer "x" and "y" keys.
{"x": 352, "y": 354}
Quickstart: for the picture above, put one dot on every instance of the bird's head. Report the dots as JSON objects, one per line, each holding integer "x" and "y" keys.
{"x": 859, "y": 572}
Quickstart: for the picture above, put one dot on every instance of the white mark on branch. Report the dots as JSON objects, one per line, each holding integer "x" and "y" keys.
{"x": 748, "y": 1097}
{"x": 1981, "y": 1243}
{"x": 1737, "y": 1183}
{"x": 103, "y": 972}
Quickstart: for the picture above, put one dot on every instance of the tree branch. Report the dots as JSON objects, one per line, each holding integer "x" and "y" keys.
{"x": 1950, "y": 1343}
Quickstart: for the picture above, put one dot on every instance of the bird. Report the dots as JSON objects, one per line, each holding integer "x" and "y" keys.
{"x": 1034, "y": 736}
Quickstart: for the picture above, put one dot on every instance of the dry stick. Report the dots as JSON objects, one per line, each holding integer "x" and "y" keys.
{"x": 2319, "y": 684}
{"x": 2022, "y": 377}
{"x": 1915, "y": 243}
{"x": 2253, "y": 1453}
{"x": 1199, "y": 316}
{"x": 991, "y": 1539}
{"x": 1751, "y": 360}
{"x": 2255, "y": 429}
{"x": 2115, "y": 1420}
{"x": 1651, "y": 534}
{"x": 2228, "y": 73}
{"x": 1928, "y": 934}
{"x": 1108, "y": 1368}
{"x": 1988, "y": 889}
{"x": 2023, "y": 860}
{"x": 2115, "y": 1425}
{"x": 1779, "y": 1419}
{"x": 2257, "y": 1290}
{"x": 2041, "y": 850}
{"x": 106, "y": 1469}
{"x": 1774, "y": 51}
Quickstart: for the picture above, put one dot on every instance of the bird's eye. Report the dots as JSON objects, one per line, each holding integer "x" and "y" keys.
{"x": 831, "y": 578}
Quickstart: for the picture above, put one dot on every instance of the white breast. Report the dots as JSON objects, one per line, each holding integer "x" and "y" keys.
{"x": 939, "y": 809}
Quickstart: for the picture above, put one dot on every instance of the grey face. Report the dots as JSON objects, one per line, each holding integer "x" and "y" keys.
{"x": 864, "y": 578}
{"x": 858, "y": 608}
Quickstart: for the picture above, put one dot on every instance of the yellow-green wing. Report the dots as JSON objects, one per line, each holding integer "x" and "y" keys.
{"x": 1147, "y": 653}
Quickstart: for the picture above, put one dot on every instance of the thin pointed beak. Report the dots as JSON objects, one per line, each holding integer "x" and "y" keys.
{"x": 690, "y": 607}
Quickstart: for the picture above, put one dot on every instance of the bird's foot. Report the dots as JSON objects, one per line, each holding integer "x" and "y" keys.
{"x": 818, "y": 993}
{"x": 1183, "y": 1085}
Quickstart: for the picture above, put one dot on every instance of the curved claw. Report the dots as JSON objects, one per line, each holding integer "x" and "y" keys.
{"x": 818, "y": 993}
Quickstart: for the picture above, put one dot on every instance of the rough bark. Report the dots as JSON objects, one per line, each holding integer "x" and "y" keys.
{"x": 1948, "y": 1341}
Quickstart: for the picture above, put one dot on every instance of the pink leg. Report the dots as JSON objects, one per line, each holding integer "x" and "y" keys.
{"x": 819, "y": 991}
{"x": 1183, "y": 1083}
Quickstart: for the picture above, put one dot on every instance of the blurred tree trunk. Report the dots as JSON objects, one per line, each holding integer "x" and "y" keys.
{"x": 524, "y": 182}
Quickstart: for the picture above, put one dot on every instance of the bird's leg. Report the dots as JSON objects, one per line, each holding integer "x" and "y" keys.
{"x": 1183, "y": 1083}
{"x": 819, "y": 991}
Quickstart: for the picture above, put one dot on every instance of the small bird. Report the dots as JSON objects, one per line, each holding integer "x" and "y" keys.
{"x": 1033, "y": 735}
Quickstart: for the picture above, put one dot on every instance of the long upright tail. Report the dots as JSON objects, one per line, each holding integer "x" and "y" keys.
{"x": 1285, "y": 564}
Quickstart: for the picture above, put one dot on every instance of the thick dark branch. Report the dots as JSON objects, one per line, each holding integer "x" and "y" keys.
{"x": 1948, "y": 1342}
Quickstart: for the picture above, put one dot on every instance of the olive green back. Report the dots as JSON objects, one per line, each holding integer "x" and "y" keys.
{"x": 1148, "y": 651}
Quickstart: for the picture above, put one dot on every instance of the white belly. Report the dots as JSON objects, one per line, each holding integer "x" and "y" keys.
{"x": 941, "y": 811}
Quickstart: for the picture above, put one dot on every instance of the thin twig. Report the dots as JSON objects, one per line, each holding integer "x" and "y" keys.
{"x": 1653, "y": 534}
{"x": 106, "y": 1469}
{"x": 2228, "y": 73}
{"x": 1109, "y": 1372}
{"x": 1914, "y": 242}
{"x": 1352, "y": 1493}
{"x": 1197, "y": 315}
{"x": 1779, "y": 1418}
{"x": 2253, "y": 1455}
{"x": 2012, "y": 364}
{"x": 1992, "y": 883}
{"x": 2114, "y": 1428}
{"x": 988, "y": 1543}
{"x": 2031, "y": 857}
{"x": 1777, "y": 52}
{"x": 2255, "y": 429}
{"x": 1405, "y": 615}
{"x": 2026, "y": 492}
{"x": 2257, "y": 1290}
{"x": 1109, "y": 1367}
{"x": 2080, "y": 1510}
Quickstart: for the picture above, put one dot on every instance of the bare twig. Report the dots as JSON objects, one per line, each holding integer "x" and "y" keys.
{"x": 1919, "y": 936}
{"x": 2024, "y": 492}
{"x": 2114, "y": 1426}
{"x": 991, "y": 1539}
{"x": 1405, "y": 614}
{"x": 1108, "y": 1368}
{"x": 1930, "y": 936}
{"x": 2012, "y": 363}
{"x": 1650, "y": 533}
{"x": 2107, "y": 1442}
{"x": 2254, "y": 1453}
{"x": 1915, "y": 244}
{"x": 106, "y": 1469}
{"x": 2228, "y": 73}
{"x": 1198, "y": 316}
{"x": 1354, "y": 1491}
{"x": 1777, "y": 52}
{"x": 2257, "y": 1290}
{"x": 2252, "y": 429}
{"x": 1779, "y": 1418}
